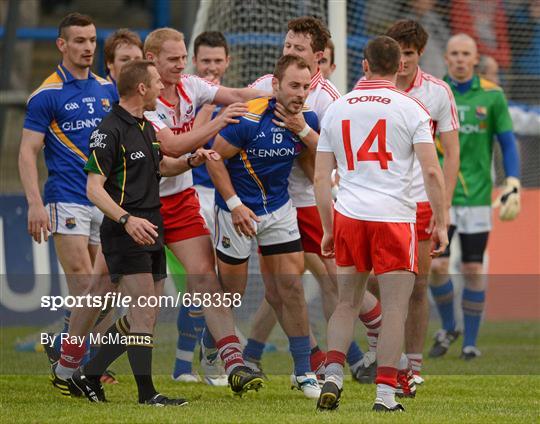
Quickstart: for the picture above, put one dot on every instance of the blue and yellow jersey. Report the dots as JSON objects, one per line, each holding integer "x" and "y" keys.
{"x": 67, "y": 110}
{"x": 260, "y": 171}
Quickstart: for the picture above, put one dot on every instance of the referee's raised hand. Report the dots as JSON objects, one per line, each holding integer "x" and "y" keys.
{"x": 141, "y": 230}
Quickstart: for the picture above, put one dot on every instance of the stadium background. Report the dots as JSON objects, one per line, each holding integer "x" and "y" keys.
{"x": 508, "y": 30}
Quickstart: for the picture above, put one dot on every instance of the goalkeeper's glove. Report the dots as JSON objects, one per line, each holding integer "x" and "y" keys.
{"x": 508, "y": 202}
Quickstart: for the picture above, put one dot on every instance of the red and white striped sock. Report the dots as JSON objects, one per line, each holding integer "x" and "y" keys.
{"x": 230, "y": 351}
{"x": 386, "y": 385}
{"x": 387, "y": 376}
{"x": 415, "y": 360}
{"x": 372, "y": 320}
{"x": 335, "y": 361}
{"x": 71, "y": 355}
{"x": 317, "y": 358}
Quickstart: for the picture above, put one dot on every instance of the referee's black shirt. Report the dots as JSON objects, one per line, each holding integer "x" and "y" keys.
{"x": 124, "y": 149}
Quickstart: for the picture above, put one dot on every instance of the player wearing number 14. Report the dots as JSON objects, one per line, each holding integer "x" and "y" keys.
{"x": 374, "y": 133}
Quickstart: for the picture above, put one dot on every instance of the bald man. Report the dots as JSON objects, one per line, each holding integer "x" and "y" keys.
{"x": 483, "y": 114}
{"x": 488, "y": 68}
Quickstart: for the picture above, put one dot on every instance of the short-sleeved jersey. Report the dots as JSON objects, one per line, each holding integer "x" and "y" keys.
{"x": 259, "y": 172}
{"x": 371, "y": 132}
{"x": 483, "y": 113}
{"x": 192, "y": 92}
{"x": 125, "y": 150}
{"x": 322, "y": 93}
{"x": 66, "y": 110}
{"x": 438, "y": 99}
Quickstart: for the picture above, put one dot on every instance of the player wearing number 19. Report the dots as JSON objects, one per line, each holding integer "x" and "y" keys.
{"x": 374, "y": 222}
{"x": 252, "y": 201}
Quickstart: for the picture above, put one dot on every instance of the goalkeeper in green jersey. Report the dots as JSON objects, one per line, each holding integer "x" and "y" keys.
{"x": 483, "y": 114}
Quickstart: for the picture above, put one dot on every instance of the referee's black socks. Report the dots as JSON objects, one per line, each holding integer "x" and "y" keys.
{"x": 112, "y": 347}
{"x": 139, "y": 351}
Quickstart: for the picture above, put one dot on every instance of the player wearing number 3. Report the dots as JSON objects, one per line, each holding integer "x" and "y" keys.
{"x": 374, "y": 134}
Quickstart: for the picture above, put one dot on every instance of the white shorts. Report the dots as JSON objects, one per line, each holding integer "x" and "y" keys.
{"x": 275, "y": 228}
{"x": 471, "y": 219}
{"x": 207, "y": 201}
{"x": 74, "y": 219}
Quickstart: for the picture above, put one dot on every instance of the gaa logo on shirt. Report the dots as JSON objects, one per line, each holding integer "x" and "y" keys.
{"x": 71, "y": 223}
{"x": 137, "y": 155}
{"x": 106, "y": 104}
{"x": 71, "y": 106}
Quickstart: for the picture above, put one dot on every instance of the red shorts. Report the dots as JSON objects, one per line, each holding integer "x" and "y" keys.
{"x": 383, "y": 246}
{"x": 182, "y": 219}
{"x": 310, "y": 226}
{"x": 423, "y": 216}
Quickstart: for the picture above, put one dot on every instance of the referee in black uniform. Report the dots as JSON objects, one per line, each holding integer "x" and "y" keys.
{"x": 124, "y": 169}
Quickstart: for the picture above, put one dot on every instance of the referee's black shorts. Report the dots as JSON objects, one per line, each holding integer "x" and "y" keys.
{"x": 125, "y": 257}
{"x": 143, "y": 262}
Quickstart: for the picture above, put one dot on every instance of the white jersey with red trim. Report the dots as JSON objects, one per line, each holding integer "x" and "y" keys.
{"x": 321, "y": 95}
{"x": 192, "y": 92}
{"x": 438, "y": 99}
{"x": 371, "y": 132}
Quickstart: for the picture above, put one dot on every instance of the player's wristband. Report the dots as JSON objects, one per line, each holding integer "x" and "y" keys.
{"x": 233, "y": 202}
{"x": 304, "y": 132}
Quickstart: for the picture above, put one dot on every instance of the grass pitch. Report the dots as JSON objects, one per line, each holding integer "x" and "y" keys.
{"x": 500, "y": 386}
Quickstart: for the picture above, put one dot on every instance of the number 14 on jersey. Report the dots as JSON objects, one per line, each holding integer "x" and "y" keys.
{"x": 363, "y": 154}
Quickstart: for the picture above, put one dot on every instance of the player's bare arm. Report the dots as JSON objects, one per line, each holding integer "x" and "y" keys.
{"x": 140, "y": 229}
{"x": 306, "y": 161}
{"x": 169, "y": 167}
{"x": 176, "y": 145}
{"x": 242, "y": 216}
{"x": 325, "y": 162}
{"x": 227, "y": 95}
{"x": 296, "y": 123}
{"x": 38, "y": 219}
{"x": 203, "y": 116}
{"x": 434, "y": 183}
{"x": 450, "y": 145}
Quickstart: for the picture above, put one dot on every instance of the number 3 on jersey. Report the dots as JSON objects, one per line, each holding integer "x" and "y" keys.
{"x": 363, "y": 154}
